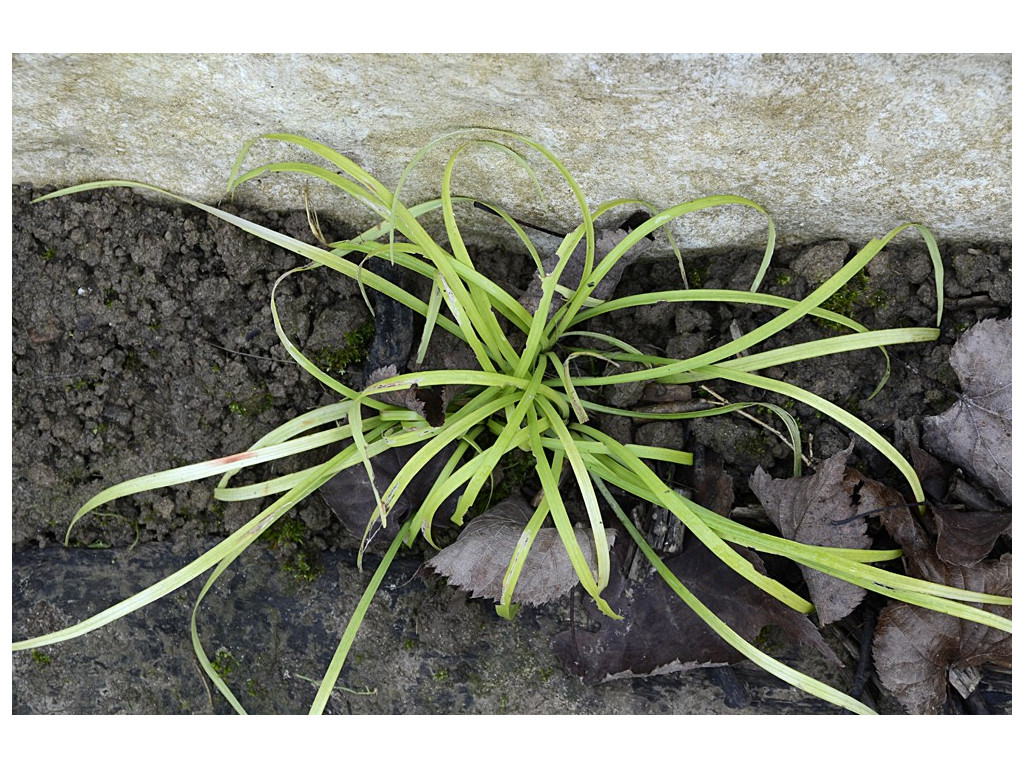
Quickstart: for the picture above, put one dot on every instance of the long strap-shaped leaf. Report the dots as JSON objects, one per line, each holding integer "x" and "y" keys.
{"x": 846, "y": 564}
{"x": 635, "y": 236}
{"x": 671, "y": 500}
{"x": 323, "y": 694}
{"x": 505, "y": 608}
{"x": 501, "y": 446}
{"x": 343, "y": 163}
{"x": 239, "y": 539}
{"x": 209, "y": 468}
{"x": 830, "y": 409}
{"x": 548, "y": 474}
{"x": 768, "y": 329}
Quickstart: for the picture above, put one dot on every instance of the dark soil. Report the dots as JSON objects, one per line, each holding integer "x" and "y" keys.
{"x": 143, "y": 340}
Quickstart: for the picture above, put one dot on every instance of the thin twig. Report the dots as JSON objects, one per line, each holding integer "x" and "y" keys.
{"x": 248, "y": 354}
{"x": 719, "y": 400}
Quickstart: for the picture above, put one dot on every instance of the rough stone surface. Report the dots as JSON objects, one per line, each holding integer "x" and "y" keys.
{"x": 422, "y": 648}
{"x": 834, "y": 146}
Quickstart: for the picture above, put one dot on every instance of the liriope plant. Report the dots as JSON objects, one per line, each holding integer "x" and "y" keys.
{"x": 522, "y": 394}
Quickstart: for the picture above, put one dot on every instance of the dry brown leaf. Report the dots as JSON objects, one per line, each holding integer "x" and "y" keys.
{"x": 975, "y": 433}
{"x": 477, "y": 561}
{"x": 915, "y": 648}
{"x": 659, "y": 633}
{"x": 818, "y": 510}
{"x": 351, "y": 498}
{"x": 429, "y": 402}
{"x": 965, "y": 537}
{"x": 712, "y": 485}
{"x": 965, "y": 534}
{"x": 933, "y": 475}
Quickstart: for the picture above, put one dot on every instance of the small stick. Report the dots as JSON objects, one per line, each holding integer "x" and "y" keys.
{"x": 247, "y": 354}
{"x": 719, "y": 400}
{"x": 864, "y": 664}
{"x": 736, "y": 694}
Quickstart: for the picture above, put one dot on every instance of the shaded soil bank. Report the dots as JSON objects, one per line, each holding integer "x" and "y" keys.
{"x": 143, "y": 340}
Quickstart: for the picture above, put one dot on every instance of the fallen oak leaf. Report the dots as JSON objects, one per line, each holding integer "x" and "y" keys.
{"x": 821, "y": 510}
{"x": 915, "y": 648}
{"x": 975, "y": 432}
{"x": 478, "y": 559}
{"x": 660, "y": 634}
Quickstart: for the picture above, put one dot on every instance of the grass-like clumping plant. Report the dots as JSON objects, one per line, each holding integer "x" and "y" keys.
{"x": 524, "y": 392}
